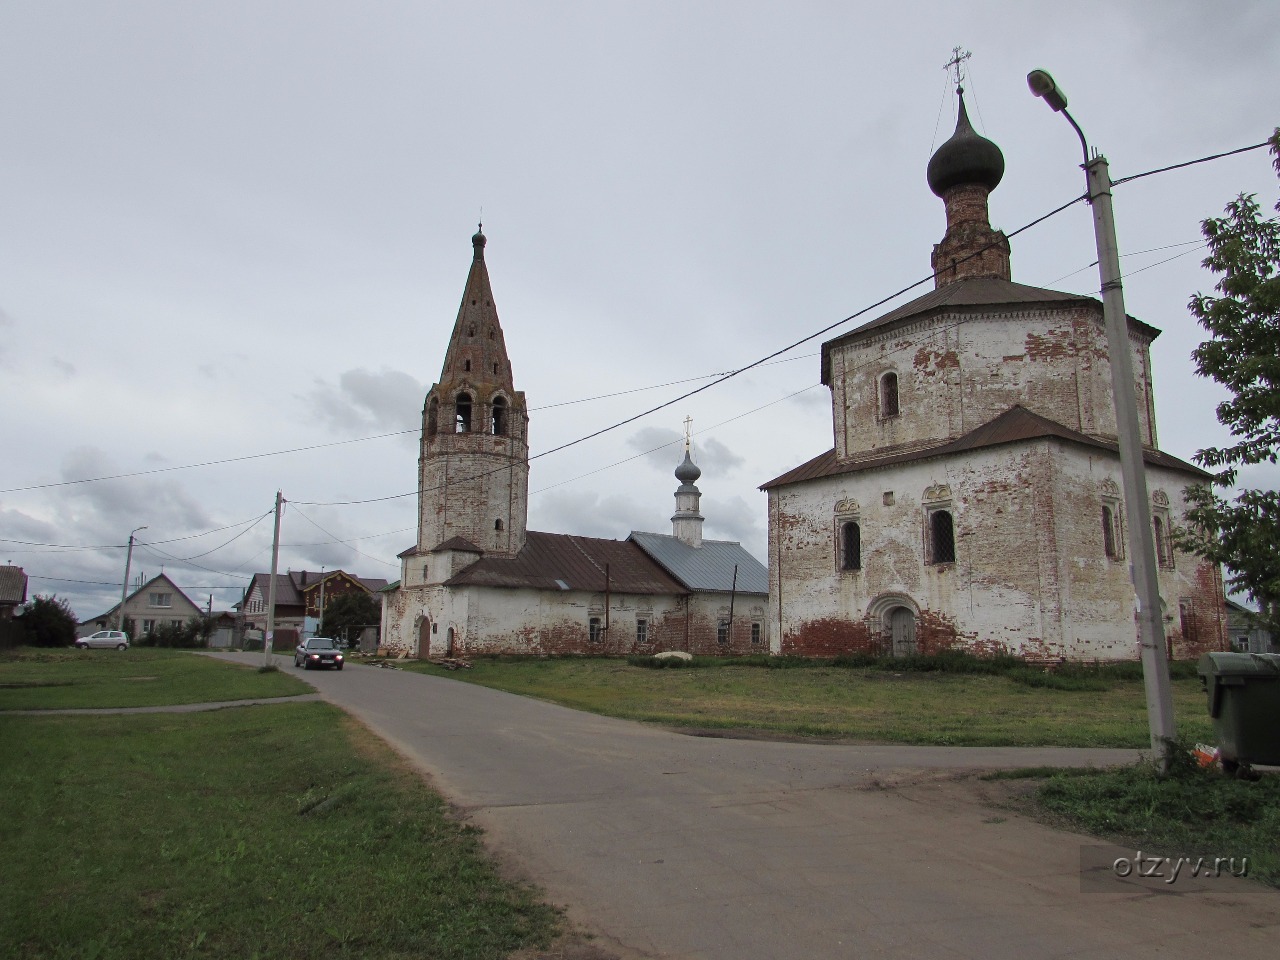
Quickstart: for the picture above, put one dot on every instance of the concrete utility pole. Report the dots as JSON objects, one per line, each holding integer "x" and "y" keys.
{"x": 269, "y": 639}
{"x": 322, "y": 623}
{"x": 124, "y": 590}
{"x": 1143, "y": 567}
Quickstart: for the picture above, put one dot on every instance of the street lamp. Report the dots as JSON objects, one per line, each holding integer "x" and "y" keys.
{"x": 1155, "y": 667}
{"x": 124, "y": 590}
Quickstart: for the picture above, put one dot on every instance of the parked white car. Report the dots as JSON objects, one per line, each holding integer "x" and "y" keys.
{"x": 105, "y": 638}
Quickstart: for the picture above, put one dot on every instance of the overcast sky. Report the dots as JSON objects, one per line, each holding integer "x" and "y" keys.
{"x": 238, "y": 228}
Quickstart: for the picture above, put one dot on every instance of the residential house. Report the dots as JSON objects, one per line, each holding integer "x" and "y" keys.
{"x": 158, "y": 602}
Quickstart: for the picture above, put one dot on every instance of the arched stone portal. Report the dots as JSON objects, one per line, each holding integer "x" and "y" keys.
{"x": 893, "y": 616}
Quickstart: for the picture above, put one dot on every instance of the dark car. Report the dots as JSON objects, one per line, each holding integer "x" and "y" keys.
{"x": 317, "y": 652}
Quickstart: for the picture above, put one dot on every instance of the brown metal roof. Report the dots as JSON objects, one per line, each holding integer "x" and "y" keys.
{"x": 1014, "y": 425}
{"x": 457, "y": 543}
{"x": 13, "y": 585}
{"x": 978, "y": 295}
{"x": 556, "y": 561}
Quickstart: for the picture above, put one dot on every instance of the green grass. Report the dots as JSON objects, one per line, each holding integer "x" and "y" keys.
{"x": 1192, "y": 813}
{"x": 36, "y": 679}
{"x": 861, "y": 703}
{"x": 274, "y": 831}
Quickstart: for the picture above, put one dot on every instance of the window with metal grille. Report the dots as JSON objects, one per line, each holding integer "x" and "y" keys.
{"x": 1109, "y": 532}
{"x": 942, "y": 537}
{"x": 594, "y": 630}
{"x": 889, "y": 395}
{"x": 642, "y": 631}
{"x": 850, "y": 546}
{"x": 755, "y": 633}
{"x": 1164, "y": 548}
{"x": 722, "y": 631}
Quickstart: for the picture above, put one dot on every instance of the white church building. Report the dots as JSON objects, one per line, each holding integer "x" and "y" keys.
{"x": 478, "y": 581}
{"x": 971, "y": 498}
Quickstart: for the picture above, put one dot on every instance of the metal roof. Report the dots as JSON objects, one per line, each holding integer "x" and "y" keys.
{"x": 980, "y": 295}
{"x": 557, "y": 561}
{"x": 13, "y": 585}
{"x": 708, "y": 568}
{"x": 1014, "y": 425}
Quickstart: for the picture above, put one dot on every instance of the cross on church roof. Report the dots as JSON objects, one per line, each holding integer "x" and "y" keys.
{"x": 956, "y": 63}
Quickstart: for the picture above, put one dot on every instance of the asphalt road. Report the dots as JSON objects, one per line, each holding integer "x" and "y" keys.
{"x": 669, "y": 845}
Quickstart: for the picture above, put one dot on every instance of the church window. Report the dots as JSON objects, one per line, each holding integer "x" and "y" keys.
{"x": 424, "y": 573}
{"x": 463, "y": 411}
{"x": 850, "y": 546}
{"x": 498, "y": 422}
{"x": 1108, "y": 532}
{"x": 1187, "y": 621}
{"x": 1164, "y": 548}
{"x": 642, "y": 631}
{"x": 942, "y": 537}
{"x": 490, "y": 329}
{"x": 755, "y": 634}
{"x": 594, "y": 630}
{"x": 471, "y": 330}
{"x": 888, "y": 395}
{"x": 722, "y": 632}
{"x": 433, "y": 414}
{"x": 466, "y": 366}
{"x": 497, "y": 525}
{"x": 495, "y": 368}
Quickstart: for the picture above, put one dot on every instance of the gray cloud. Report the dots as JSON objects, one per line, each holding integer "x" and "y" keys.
{"x": 367, "y": 401}
{"x": 662, "y": 450}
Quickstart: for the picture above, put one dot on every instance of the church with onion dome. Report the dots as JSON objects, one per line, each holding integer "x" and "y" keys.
{"x": 971, "y": 498}
{"x": 477, "y": 581}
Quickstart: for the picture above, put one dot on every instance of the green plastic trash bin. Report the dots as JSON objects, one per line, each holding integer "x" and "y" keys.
{"x": 1244, "y": 701}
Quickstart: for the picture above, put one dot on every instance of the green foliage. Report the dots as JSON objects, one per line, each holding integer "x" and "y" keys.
{"x": 45, "y": 679}
{"x": 192, "y": 634}
{"x": 180, "y": 835}
{"x": 1192, "y": 811}
{"x": 1243, "y": 354}
{"x": 48, "y": 622}
{"x": 347, "y": 613}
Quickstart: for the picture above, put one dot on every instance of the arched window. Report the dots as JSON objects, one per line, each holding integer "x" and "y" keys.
{"x": 462, "y": 408}
{"x": 433, "y": 413}
{"x": 497, "y": 524}
{"x": 1164, "y": 552}
{"x": 889, "y": 395}
{"x": 850, "y": 546}
{"x": 498, "y": 422}
{"x": 1108, "y": 532}
{"x": 466, "y": 366}
{"x": 942, "y": 537}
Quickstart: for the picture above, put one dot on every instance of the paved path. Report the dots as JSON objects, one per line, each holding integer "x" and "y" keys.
{"x": 677, "y": 846}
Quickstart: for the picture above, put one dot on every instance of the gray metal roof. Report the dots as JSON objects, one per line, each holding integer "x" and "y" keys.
{"x": 706, "y": 568}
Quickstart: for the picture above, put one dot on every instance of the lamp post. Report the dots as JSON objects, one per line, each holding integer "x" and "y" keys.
{"x": 1143, "y": 568}
{"x": 124, "y": 590}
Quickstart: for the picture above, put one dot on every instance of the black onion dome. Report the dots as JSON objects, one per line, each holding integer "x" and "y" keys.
{"x": 966, "y": 158}
{"x": 478, "y": 241}
{"x": 688, "y": 471}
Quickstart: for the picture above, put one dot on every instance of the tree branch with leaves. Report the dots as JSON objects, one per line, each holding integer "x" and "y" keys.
{"x": 1243, "y": 354}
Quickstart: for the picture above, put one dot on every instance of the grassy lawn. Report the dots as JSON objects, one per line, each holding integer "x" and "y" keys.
{"x": 37, "y": 679}
{"x": 274, "y": 831}
{"x": 860, "y": 704}
{"x": 1193, "y": 813}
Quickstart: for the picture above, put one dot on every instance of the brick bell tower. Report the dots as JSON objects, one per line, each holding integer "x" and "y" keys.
{"x": 473, "y": 469}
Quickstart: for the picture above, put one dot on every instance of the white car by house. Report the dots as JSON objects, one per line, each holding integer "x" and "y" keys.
{"x": 105, "y": 638}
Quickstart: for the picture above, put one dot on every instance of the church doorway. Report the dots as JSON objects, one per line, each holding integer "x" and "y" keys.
{"x": 424, "y": 638}
{"x": 902, "y": 631}
{"x": 448, "y": 643}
